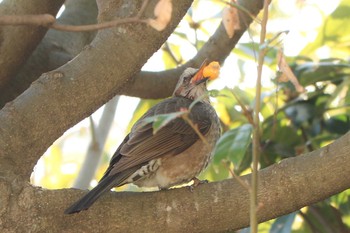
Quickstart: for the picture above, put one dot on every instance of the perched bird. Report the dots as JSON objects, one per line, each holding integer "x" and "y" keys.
{"x": 173, "y": 155}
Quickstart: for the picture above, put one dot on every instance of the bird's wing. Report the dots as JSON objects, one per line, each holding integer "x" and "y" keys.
{"x": 141, "y": 145}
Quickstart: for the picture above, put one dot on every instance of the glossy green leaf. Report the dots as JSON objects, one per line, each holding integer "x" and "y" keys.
{"x": 342, "y": 201}
{"x": 215, "y": 172}
{"x": 245, "y": 162}
{"x": 326, "y": 217}
{"x": 283, "y": 224}
{"x": 142, "y": 107}
{"x": 214, "y": 93}
{"x": 310, "y": 73}
{"x": 242, "y": 96}
{"x": 234, "y": 144}
{"x": 161, "y": 120}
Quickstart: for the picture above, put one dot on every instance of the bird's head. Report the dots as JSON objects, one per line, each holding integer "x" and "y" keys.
{"x": 192, "y": 83}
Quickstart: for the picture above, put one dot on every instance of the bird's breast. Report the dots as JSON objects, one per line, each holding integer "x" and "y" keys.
{"x": 183, "y": 167}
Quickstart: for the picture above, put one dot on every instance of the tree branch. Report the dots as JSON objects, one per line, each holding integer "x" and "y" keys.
{"x": 62, "y": 97}
{"x": 47, "y": 20}
{"x": 17, "y": 43}
{"x": 155, "y": 85}
{"x": 214, "y": 207}
{"x": 96, "y": 145}
{"x": 54, "y": 97}
{"x": 56, "y": 48}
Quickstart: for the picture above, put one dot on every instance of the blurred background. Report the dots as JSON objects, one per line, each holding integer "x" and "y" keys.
{"x": 314, "y": 37}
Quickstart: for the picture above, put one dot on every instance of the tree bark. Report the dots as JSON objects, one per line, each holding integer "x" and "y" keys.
{"x": 36, "y": 118}
{"x": 56, "y": 48}
{"x": 151, "y": 85}
{"x": 214, "y": 207}
{"x": 61, "y": 98}
{"x": 17, "y": 43}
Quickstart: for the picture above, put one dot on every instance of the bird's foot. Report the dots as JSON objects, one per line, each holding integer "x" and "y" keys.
{"x": 197, "y": 182}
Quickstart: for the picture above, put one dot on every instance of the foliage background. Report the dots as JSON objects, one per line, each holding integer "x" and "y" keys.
{"x": 317, "y": 49}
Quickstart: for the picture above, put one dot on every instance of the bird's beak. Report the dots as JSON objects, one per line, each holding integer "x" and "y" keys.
{"x": 198, "y": 77}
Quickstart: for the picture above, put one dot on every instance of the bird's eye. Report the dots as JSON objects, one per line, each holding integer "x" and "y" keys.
{"x": 187, "y": 78}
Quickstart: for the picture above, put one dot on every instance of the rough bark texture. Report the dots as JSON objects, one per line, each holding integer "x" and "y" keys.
{"x": 88, "y": 81}
{"x": 56, "y": 48}
{"x": 214, "y": 207}
{"x": 62, "y": 97}
{"x": 152, "y": 85}
{"x": 17, "y": 43}
{"x": 217, "y": 48}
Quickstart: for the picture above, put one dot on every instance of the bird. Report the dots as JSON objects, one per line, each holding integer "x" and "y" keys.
{"x": 176, "y": 153}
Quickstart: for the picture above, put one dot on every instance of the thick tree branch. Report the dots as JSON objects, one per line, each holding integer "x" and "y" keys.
{"x": 62, "y": 97}
{"x": 49, "y": 107}
{"x": 17, "y": 43}
{"x": 96, "y": 145}
{"x": 213, "y": 207}
{"x": 56, "y": 48}
{"x": 154, "y": 85}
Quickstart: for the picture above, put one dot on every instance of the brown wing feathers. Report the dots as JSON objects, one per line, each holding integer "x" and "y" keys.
{"x": 174, "y": 138}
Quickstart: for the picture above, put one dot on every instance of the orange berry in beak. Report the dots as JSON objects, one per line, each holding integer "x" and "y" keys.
{"x": 212, "y": 70}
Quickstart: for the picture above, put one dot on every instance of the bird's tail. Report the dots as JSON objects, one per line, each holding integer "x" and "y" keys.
{"x": 86, "y": 201}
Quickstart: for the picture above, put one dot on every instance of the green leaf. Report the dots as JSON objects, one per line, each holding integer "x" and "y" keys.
{"x": 142, "y": 108}
{"x": 214, "y": 93}
{"x": 171, "y": 54}
{"x": 338, "y": 124}
{"x": 310, "y": 73}
{"x": 245, "y": 162}
{"x": 334, "y": 32}
{"x": 326, "y": 217}
{"x": 283, "y": 224}
{"x": 211, "y": 93}
{"x": 234, "y": 144}
{"x": 161, "y": 120}
{"x": 215, "y": 172}
{"x": 341, "y": 201}
{"x": 250, "y": 51}
{"x": 243, "y": 96}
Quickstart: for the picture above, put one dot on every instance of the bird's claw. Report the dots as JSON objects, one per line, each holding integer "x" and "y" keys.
{"x": 197, "y": 182}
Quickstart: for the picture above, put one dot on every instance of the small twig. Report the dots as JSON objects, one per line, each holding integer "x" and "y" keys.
{"x": 239, "y": 179}
{"x": 274, "y": 121}
{"x": 45, "y": 20}
{"x": 167, "y": 49}
{"x": 93, "y": 27}
{"x": 246, "y": 112}
{"x": 196, "y": 39}
{"x": 276, "y": 36}
{"x": 256, "y": 132}
{"x": 94, "y": 140}
{"x": 195, "y": 128}
{"x": 142, "y": 9}
{"x": 306, "y": 139}
{"x": 271, "y": 46}
{"x": 243, "y": 9}
{"x": 49, "y": 21}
